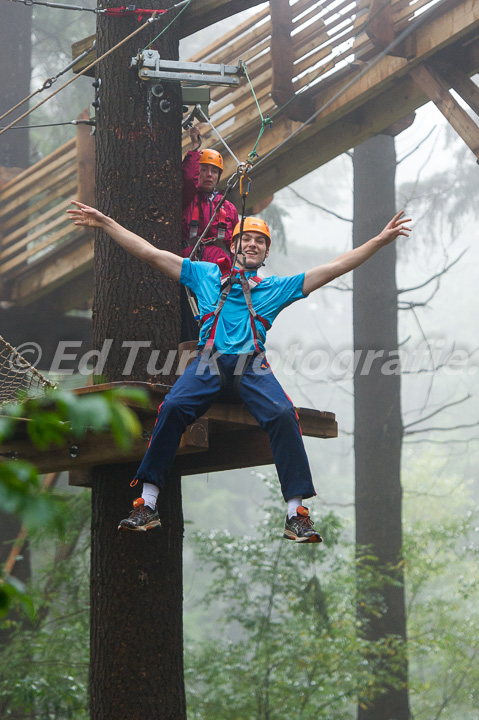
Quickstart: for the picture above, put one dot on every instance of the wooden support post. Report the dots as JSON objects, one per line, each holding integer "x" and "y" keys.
{"x": 282, "y": 59}
{"x": 437, "y": 89}
{"x": 461, "y": 83}
{"x": 379, "y": 26}
{"x": 85, "y": 162}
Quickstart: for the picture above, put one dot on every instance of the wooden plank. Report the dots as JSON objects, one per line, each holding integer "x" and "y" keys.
{"x": 437, "y": 90}
{"x": 62, "y": 150}
{"x": 60, "y": 178}
{"x": 461, "y": 83}
{"x": 314, "y": 423}
{"x": 26, "y": 284}
{"x": 14, "y": 242}
{"x": 68, "y": 188}
{"x": 282, "y": 58}
{"x": 98, "y": 448}
{"x": 379, "y": 23}
{"x": 27, "y": 254}
{"x": 39, "y": 174}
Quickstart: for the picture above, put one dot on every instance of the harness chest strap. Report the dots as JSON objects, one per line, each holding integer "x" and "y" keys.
{"x": 195, "y": 224}
{"x": 247, "y": 284}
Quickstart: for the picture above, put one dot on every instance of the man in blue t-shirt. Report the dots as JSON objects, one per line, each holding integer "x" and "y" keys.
{"x": 236, "y": 312}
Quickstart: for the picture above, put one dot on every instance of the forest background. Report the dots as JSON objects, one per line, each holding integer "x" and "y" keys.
{"x": 233, "y": 552}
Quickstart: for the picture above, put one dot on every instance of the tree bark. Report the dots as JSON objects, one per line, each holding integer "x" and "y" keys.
{"x": 16, "y": 50}
{"x": 378, "y": 424}
{"x": 136, "y": 583}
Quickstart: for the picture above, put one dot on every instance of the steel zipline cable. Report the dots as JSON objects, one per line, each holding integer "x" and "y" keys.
{"x": 183, "y": 4}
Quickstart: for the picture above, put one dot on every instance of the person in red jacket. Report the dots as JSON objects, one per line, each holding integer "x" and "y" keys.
{"x": 201, "y": 173}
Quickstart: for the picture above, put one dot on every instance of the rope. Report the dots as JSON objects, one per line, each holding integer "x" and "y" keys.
{"x": 67, "y": 122}
{"x": 185, "y": 4}
{"x": 95, "y": 62}
{"x": 200, "y": 109}
{"x": 265, "y": 121}
{"x": 49, "y": 81}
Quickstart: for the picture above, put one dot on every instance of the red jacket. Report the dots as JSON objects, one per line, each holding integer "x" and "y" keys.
{"x": 204, "y": 204}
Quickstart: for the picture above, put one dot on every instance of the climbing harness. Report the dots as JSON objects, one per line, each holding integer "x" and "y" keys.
{"x": 235, "y": 276}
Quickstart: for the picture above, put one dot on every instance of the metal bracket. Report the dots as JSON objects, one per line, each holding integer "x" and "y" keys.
{"x": 152, "y": 68}
{"x": 199, "y": 97}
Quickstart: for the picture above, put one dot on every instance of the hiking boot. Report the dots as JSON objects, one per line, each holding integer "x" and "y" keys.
{"x": 142, "y": 517}
{"x": 300, "y": 527}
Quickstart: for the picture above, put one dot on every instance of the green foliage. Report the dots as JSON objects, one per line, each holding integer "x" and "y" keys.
{"x": 45, "y": 664}
{"x": 54, "y": 419}
{"x": 442, "y": 551}
{"x": 287, "y": 640}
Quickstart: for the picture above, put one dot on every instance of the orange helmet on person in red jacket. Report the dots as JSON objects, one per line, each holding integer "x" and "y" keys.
{"x": 211, "y": 157}
{"x": 254, "y": 224}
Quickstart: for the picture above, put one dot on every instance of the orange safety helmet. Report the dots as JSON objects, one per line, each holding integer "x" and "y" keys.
{"x": 211, "y": 157}
{"x": 254, "y": 224}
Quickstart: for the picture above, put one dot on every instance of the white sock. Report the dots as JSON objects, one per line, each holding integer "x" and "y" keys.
{"x": 149, "y": 494}
{"x": 293, "y": 505}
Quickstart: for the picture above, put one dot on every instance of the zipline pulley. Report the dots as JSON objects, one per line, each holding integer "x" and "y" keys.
{"x": 153, "y": 69}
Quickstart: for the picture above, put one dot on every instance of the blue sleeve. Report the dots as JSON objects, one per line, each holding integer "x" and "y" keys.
{"x": 292, "y": 288}
{"x": 194, "y": 274}
{"x": 279, "y": 293}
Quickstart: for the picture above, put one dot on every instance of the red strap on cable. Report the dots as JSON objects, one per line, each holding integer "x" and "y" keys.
{"x": 131, "y": 11}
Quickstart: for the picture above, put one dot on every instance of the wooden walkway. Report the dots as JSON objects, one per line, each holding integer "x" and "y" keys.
{"x": 226, "y": 437}
{"x": 328, "y": 56}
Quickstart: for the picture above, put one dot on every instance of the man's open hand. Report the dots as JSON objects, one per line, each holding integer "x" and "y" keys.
{"x": 395, "y": 227}
{"x": 85, "y": 215}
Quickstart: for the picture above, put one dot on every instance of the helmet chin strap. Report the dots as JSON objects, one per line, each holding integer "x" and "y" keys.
{"x": 255, "y": 267}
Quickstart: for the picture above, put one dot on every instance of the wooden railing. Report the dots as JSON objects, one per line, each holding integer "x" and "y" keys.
{"x": 329, "y": 40}
{"x": 32, "y": 210}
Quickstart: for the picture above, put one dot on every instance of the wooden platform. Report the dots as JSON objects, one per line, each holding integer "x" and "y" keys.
{"x": 226, "y": 437}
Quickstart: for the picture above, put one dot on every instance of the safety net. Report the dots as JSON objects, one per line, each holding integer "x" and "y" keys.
{"x": 17, "y": 377}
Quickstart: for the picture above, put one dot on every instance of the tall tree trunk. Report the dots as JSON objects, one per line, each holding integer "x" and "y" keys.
{"x": 378, "y": 425}
{"x": 16, "y": 50}
{"x": 136, "y": 666}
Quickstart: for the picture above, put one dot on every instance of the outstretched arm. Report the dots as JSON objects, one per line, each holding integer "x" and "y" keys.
{"x": 323, "y": 274}
{"x": 167, "y": 262}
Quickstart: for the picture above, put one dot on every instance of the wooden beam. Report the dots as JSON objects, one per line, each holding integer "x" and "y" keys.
{"x": 200, "y": 15}
{"x": 459, "y": 81}
{"x": 379, "y": 23}
{"x": 228, "y": 434}
{"x": 282, "y": 59}
{"x": 380, "y": 29}
{"x": 98, "y": 448}
{"x": 55, "y": 269}
{"x": 437, "y": 90}
{"x": 381, "y": 97}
